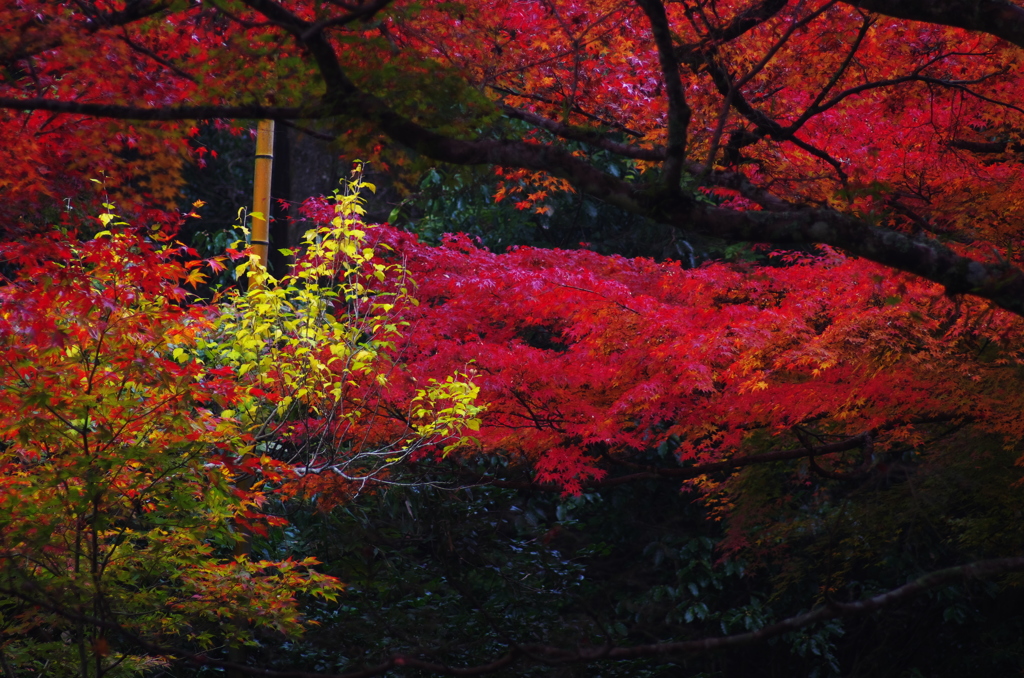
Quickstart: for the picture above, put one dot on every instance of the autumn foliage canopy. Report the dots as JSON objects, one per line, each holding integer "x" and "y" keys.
{"x": 862, "y": 157}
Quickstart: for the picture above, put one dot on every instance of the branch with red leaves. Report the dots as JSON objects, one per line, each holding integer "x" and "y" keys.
{"x": 688, "y": 473}
{"x": 998, "y": 281}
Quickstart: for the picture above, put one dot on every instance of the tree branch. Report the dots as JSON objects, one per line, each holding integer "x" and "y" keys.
{"x": 591, "y": 137}
{"x": 976, "y": 570}
{"x": 142, "y": 49}
{"x": 1000, "y": 18}
{"x": 986, "y": 147}
{"x": 119, "y": 112}
{"x": 698, "y": 57}
{"x": 132, "y": 12}
{"x": 1001, "y": 283}
{"x": 364, "y": 12}
{"x": 575, "y": 109}
{"x": 678, "y": 111}
{"x": 747, "y": 21}
{"x": 738, "y": 182}
{"x": 687, "y": 473}
{"x": 581, "y": 654}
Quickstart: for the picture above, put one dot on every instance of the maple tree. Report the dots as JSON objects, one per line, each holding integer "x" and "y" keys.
{"x": 881, "y": 390}
{"x": 139, "y": 437}
{"x": 885, "y": 131}
{"x": 116, "y": 472}
{"x": 819, "y": 123}
{"x": 863, "y": 377}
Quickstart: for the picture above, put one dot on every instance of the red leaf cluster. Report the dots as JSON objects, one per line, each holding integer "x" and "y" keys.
{"x": 585, "y": 360}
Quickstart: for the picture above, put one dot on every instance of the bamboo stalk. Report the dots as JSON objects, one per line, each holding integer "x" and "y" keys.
{"x": 260, "y": 243}
{"x": 261, "y": 190}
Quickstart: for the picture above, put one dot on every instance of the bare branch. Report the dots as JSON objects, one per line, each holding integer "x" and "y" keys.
{"x": 697, "y": 58}
{"x": 834, "y": 80}
{"x": 1001, "y": 283}
{"x": 821, "y": 154}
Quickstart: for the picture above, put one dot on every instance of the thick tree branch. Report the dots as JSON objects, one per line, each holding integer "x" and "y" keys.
{"x": 363, "y": 12}
{"x": 986, "y": 147}
{"x": 747, "y": 20}
{"x": 1001, "y": 283}
{"x": 678, "y": 110}
{"x": 119, "y": 112}
{"x": 738, "y": 182}
{"x": 1000, "y": 18}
